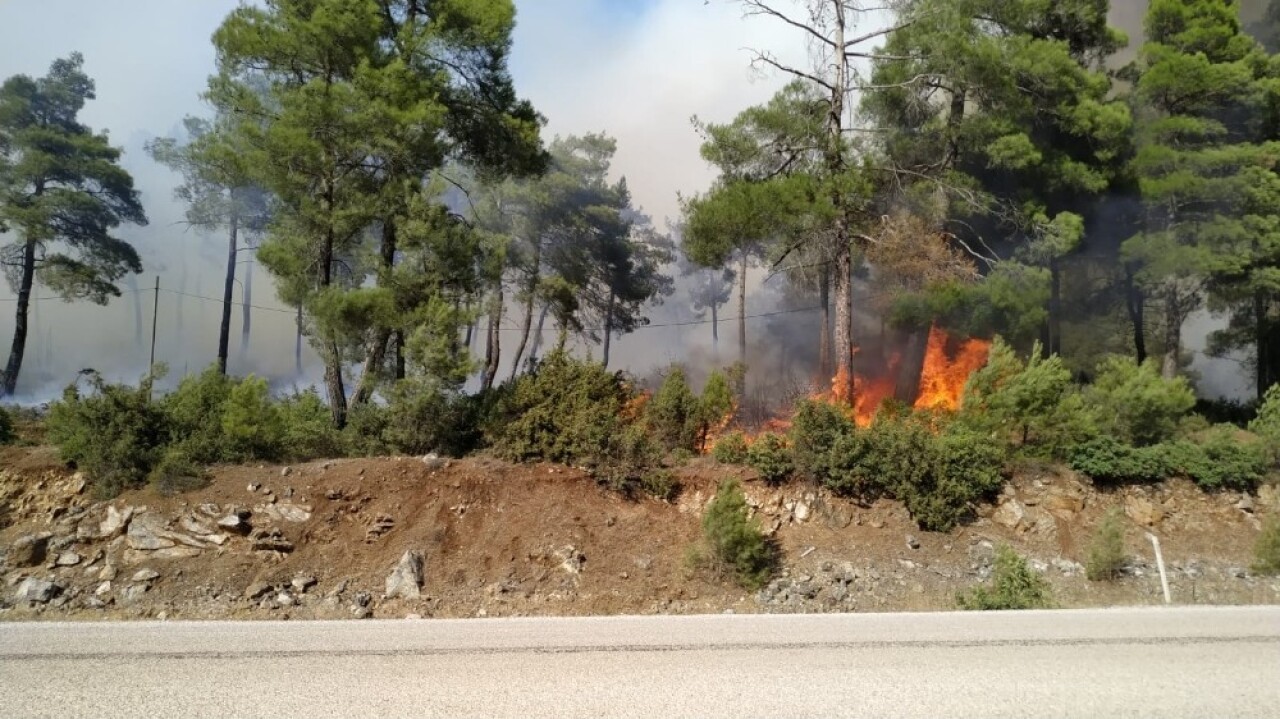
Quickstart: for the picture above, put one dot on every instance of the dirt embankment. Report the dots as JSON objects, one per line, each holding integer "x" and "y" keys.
{"x": 320, "y": 541}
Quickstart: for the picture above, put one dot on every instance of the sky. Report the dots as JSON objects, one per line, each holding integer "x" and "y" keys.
{"x": 636, "y": 69}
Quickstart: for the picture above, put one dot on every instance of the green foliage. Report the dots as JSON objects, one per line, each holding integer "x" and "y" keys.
{"x": 964, "y": 468}
{"x": 660, "y": 484}
{"x": 715, "y": 406}
{"x": 771, "y": 457}
{"x": 816, "y": 427}
{"x": 114, "y": 433}
{"x": 673, "y": 414}
{"x": 1105, "y": 557}
{"x": 1266, "y": 553}
{"x": 308, "y": 428}
{"x": 1032, "y": 404}
{"x": 731, "y": 449}
{"x": 251, "y": 425}
{"x": 421, "y": 416}
{"x": 1267, "y": 423}
{"x": 566, "y": 410}
{"x": 194, "y": 410}
{"x": 1134, "y": 404}
{"x": 1224, "y": 457}
{"x": 735, "y": 540}
{"x": 176, "y": 472}
{"x": 628, "y": 459}
{"x": 1014, "y": 585}
{"x": 1107, "y": 459}
{"x": 7, "y": 433}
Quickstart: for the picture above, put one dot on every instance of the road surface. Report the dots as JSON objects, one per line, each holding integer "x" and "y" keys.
{"x": 1167, "y": 663}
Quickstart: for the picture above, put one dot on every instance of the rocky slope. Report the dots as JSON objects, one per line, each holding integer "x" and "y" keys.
{"x": 399, "y": 536}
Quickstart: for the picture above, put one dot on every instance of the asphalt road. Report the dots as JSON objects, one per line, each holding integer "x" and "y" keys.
{"x": 1167, "y": 663}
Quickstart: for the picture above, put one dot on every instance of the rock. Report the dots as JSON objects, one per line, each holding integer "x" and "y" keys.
{"x": 217, "y": 539}
{"x": 1009, "y": 514}
{"x": 380, "y": 526}
{"x": 435, "y": 462}
{"x": 115, "y": 522}
{"x": 145, "y": 533}
{"x": 360, "y": 612}
{"x": 801, "y": 511}
{"x": 912, "y": 542}
{"x": 270, "y": 540}
{"x": 195, "y": 526}
{"x": 67, "y": 559}
{"x": 285, "y": 512}
{"x": 363, "y": 599}
{"x": 846, "y": 573}
{"x": 1143, "y": 511}
{"x": 29, "y": 550}
{"x": 286, "y": 471}
{"x": 234, "y": 523}
{"x": 405, "y": 581}
{"x": 285, "y": 599}
{"x": 103, "y": 589}
{"x": 1245, "y": 504}
{"x": 94, "y": 603}
{"x": 571, "y": 560}
{"x": 133, "y": 593}
{"x": 302, "y": 584}
{"x": 36, "y": 591}
{"x": 210, "y": 510}
{"x": 257, "y": 590}
{"x": 108, "y": 572}
{"x": 1063, "y": 506}
{"x": 838, "y": 593}
{"x": 144, "y": 575}
{"x": 1269, "y": 495}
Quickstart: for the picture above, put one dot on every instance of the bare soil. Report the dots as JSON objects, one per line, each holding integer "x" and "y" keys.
{"x": 514, "y": 540}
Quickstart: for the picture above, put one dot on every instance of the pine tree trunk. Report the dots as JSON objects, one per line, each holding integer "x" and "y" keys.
{"x": 332, "y": 352}
{"x": 1136, "y": 302}
{"x": 1172, "y": 333}
{"x": 246, "y": 312}
{"x": 398, "y": 338}
{"x": 537, "y": 332}
{"x": 608, "y": 328}
{"x": 742, "y": 309}
{"x": 843, "y": 384}
{"x": 715, "y": 324}
{"x": 228, "y": 292}
{"x": 1266, "y": 340}
{"x": 531, "y": 288}
{"x": 492, "y": 347}
{"x": 19, "y": 347}
{"x": 824, "y": 335}
{"x": 376, "y": 352}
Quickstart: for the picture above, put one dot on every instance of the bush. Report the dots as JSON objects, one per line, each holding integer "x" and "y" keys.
{"x": 1014, "y": 585}
{"x": 566, "y": 410}
{"x": 1134, "y": 404}
{"x": 660, "y": 484}
{"x": 251, "y": 425}
{"x": 7, "y": 433}
{"x": 423, "y": 417}
{"x": 1267, "y": 422}
{"x": 770, "y": 456}
{"x": 627, "y": 460}
{"x": 816, "y": 427}
{"x": 115, "y": 434}
{"x": 731, "y": 449}
{"x": 734, "y": 539}
{"x": 176, "y": 472}
{"x": 1032, "y": 404}
{"x": 715, "y": 407}
{"x": 1266, "y": 553}
{"x": 964, "y": 468}
{"x": 308, "y": 428}
{"x": 1105, "y": 556}
{"x": 1106, "y": 459}
{"x": 673, "y": 414}
{"x": 194, "y": 410}
{"x": 1224, "y": 457}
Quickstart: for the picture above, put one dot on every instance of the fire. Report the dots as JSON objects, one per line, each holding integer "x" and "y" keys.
{"x": 943, "y": 379}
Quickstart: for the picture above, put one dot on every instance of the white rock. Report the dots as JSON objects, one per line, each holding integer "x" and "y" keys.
{"x": 145, "y": 575}
{"x": 68, "y": 559}
{"x": 115, "y": 521}
{"x": 405, "y": 581}
{"x": 36, "y": 591}
{"x": 103, "y": 589}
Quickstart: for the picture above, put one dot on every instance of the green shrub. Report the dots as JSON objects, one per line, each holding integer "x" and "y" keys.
{"x": 194, "y": 410}
{"x": 115, "y": 434}
{"x": 731, "y": 449}
{"x": 816, "y": 427}
{"x": 965, "y": 467}
{"x": 7, "y": 433}
{"x": 734, "y": 539}
{"x": 421, "y": 416}
{"x": 1267, "y": 423}
{"x": 1224, "y": 457}
{"x": 308, "y": 428}
{"x": 565, "y": 410}
{"x": 1134, "y": 404}
{"x": 673, "y": 414}
{"x": 890, "y": 454}
{"x": 1266, "y": 553}
{"x": 1014, "y": 585}
{"x": 770, "y": 456}
{"x": 251, "y": 425}
{"x": 627, "y": 460}
{"x": 660, "y": 484}
{"x": 1107, "y": 459}
{"x": 177, "y": 472}
{"x": 1105, "y": 556}
{"x": 715, "y": 407}
{"x": 1032, "y": 404}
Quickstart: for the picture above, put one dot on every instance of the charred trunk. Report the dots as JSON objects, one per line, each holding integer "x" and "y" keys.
{"x": 742, "y": 310}
{"x": 915, "y": 347}
{"x": 228, "y": 293}
{"x": 19, "y": 347}
{"x": 1136, "y": 303}
{"x": 608, "y": 327}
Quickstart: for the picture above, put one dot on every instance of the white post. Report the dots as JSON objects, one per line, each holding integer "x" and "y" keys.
{"x": 1164, "y": 579}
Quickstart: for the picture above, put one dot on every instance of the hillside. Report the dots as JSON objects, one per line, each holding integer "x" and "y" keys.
{"x": 319, "y": 541}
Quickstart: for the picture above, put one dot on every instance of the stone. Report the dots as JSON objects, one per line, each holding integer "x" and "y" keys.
{"x": 68, "y": 559}
{"x": 257, "y": 590}
{"x": 145, "y": 575}
{"x": 270, "y": 540}
{"x": 435, "y": 462}
{"x": 1063, "y": 506}
{"x": 302, "y": 584}
{"x": 360, "y": 612}
{"x": 1245, "y": 504}
{"x": 116, "y": 521}
{"x": 1067, "y": 567}
{"x": 36, "y": 591}
{"x": 801, "y": 511}
{"x": 210, "y": 509}
{"x": 103, "y": 589}
{"x": 285, "y": 599}
{"x": 285, "y": 512}
{"x": 1009, "y": 514}
{"x": 405, "y": 580}
{"x": 234, "y": 523}
{"x": 108, "y": 572}
{"x": 145, "y": 532}
{"x": 571, "y": 560}
{"x": 94, "y": 603}
{"x": 195, "y": 526}
{"x": 29, "y": 550}
{"x": 133, "y": 593}
{"x": 912, "y": 542}
{"x": 363, "y": 599}
{"x": 1143, "y": 511}
{"x": 286, "y": 471}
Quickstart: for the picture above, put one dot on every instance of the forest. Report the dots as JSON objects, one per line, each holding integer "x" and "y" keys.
{"x": 996, "y": 230}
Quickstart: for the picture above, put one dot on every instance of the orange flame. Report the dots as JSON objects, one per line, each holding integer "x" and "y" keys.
{"x": 943, "y": 379}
